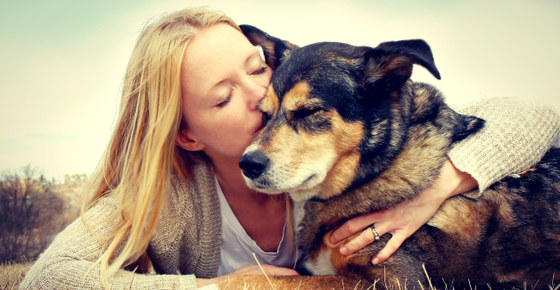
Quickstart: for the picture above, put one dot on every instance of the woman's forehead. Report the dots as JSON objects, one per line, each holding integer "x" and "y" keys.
{"x": 212, "y": 56}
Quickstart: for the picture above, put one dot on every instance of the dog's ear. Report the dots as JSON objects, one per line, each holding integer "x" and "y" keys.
{"x": 466, "y": 126}
{"x": 275, "y": 50}
{"x": 390, "y": 64}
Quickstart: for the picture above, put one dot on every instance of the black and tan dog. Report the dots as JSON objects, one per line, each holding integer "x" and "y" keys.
{"x": 348, "y": 130}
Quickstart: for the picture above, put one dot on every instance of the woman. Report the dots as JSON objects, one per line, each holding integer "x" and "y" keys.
{"x": 169, "y": 177}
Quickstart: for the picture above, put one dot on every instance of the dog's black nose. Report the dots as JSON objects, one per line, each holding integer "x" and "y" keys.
{"x": 253, "y": 164}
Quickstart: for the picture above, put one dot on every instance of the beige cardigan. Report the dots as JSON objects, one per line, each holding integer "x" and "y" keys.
{"x": 188, "y": 235}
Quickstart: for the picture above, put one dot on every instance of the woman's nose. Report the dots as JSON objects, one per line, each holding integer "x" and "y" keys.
{"x": 255, "y": 93}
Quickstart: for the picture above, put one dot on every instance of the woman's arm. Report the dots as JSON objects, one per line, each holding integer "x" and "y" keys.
{"x": 405, "y": 218}
{"x": 69, "y": 262}
{"x": 516, "y": 136}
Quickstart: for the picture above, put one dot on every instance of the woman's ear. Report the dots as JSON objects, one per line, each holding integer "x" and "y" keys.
{"x": 186, "y": 142}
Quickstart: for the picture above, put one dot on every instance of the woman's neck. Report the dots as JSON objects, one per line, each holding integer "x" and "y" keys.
{"x": 233, "y": 185}
{"x": 231, "y": 179}
{"x": 262, "y": 216}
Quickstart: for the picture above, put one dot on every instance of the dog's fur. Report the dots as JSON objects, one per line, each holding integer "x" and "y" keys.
{"x": 348, "y": 130}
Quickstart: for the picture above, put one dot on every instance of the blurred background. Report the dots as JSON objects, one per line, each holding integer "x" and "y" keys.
{"x": 62, "y": 61}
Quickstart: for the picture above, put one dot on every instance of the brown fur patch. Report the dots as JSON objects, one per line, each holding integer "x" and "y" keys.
{"x": 454, "y": 211}
{"x": 396, "y": 65}
{"x": 450, "y": 216}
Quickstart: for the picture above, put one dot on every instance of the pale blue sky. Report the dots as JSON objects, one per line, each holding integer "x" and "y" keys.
{"x": 62, "y": 62}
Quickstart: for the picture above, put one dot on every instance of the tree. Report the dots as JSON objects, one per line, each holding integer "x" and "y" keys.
{"x": 28, "y": 214}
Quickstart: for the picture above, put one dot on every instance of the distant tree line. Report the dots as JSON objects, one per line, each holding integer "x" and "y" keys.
{"x": 32, "y": 211}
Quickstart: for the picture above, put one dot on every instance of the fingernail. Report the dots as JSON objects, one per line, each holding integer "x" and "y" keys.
{"x": 332, "y": 239}
{"x": 343, "y": 250}
{"x": 375, "y": 261}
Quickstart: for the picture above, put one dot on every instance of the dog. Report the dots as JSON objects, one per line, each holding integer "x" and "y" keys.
{"x": 348, "y": 131}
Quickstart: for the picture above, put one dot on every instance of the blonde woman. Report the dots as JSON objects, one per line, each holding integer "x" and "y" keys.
{"x": 168, "y": 209}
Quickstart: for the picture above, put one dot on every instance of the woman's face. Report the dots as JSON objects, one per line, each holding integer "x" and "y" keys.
{"x": 222, "y": 79}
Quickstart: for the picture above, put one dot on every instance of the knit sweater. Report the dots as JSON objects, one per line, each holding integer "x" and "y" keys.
{"x": 187, "y": 239}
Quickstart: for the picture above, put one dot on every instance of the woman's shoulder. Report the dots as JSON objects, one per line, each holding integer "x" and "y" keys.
{"x": 200, "y": 179}
{"x": 196, "y": 193}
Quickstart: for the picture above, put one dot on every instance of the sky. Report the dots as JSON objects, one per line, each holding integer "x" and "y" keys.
{"x": 62, "y": 61}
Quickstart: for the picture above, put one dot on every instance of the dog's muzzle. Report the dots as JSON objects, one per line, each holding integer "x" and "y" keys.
{"x": 253, "y": 164}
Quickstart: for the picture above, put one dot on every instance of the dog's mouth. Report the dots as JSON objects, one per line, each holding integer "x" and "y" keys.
{"x": 307, "y": 180}
{"x": 264, "y": 185}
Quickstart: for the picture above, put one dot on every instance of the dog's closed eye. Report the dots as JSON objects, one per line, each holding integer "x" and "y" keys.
{"x": 265, "y": 118}
{"x": 303, "y": 113}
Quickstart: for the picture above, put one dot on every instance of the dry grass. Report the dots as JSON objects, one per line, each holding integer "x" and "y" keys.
{"x": 398, "y": 286}
{"x": 12, "y": 274}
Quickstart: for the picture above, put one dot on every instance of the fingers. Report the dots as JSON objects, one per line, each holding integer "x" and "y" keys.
{"x": 390, "y": 248}
{"x": 365, "y": 238}
{"x": 353, "y": 226}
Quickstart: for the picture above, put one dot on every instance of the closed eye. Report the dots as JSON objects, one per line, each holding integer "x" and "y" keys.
{"x": 265, "y": 118}
{"x": 260, "y": 71}
{"x": 303, "y": 113}
{"x": 226, "y": 101}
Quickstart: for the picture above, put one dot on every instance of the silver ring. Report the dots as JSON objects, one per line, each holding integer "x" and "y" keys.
{"x": 375, "y": 232}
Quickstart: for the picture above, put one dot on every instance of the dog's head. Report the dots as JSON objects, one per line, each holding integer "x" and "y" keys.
{"x": 329, "y": 106}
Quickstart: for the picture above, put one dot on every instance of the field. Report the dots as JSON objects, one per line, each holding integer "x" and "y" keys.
{"x": 32, "y": 211}
{"x": 12, "y": 274}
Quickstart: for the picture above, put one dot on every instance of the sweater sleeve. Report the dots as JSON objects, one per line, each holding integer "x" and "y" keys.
{"x": 516, "y": 135}
{"x": 69, "y": 262}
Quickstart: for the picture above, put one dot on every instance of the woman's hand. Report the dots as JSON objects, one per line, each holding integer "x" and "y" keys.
{"x": 249, "y": 270}
{"x": 405, "y": 218}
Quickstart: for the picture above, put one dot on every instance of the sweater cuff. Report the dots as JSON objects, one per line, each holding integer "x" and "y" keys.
{"x": 515, "y": 137}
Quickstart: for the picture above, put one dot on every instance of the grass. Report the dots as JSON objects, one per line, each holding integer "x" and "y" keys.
{"x": 12, "y": 274}
{"x": 397, "y": 286}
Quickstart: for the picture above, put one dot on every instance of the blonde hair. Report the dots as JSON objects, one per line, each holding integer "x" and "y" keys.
{"x": 142, "y": 155}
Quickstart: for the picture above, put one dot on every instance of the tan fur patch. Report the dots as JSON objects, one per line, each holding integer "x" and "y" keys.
{"x": 262, "y": 282}
{"x": 338, "y": 261}
{"x": 296, "y": 97}
{"x": 304, "y": 148}
{"x": 347, "y": 137}
{"x": 269, "y": 103}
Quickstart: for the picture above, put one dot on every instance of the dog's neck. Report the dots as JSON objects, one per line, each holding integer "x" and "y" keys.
{"x": 417, "y": 160}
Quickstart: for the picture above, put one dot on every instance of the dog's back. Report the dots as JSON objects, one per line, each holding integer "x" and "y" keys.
{"x": 509, "y": 237}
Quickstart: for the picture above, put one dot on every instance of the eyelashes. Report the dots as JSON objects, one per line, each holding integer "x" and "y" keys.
{"x": 225, "y": 102}
{"x": 260, "y": 71}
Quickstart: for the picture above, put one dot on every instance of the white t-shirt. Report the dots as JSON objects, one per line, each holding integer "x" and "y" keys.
{"x": 238, "y": 248}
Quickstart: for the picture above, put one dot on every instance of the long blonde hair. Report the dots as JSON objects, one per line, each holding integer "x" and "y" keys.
{"x": 142, "y": 155}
